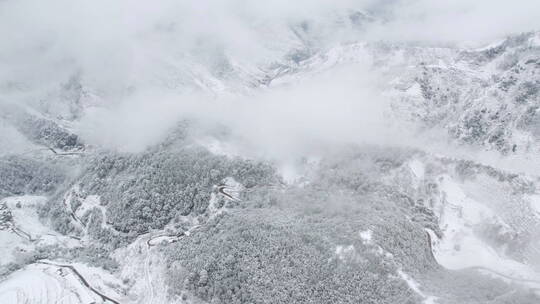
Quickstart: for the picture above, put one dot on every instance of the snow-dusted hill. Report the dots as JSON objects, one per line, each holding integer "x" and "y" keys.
{"x": 486, "y": 96}
{"x": 268, "y": 153}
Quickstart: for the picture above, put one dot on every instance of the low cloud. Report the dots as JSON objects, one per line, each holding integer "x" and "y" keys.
{"x": 338, "y": 107}
{"x": 462, "y": 22}
{"x": 136, "y": 58}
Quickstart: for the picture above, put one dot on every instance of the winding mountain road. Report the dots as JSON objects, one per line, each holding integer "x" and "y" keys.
{"x": 81, "y": 278}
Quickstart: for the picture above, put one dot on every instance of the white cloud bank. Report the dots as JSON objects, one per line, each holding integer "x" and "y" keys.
{"x": 457, "y": 21}
{"x": 338, "y": 107}
{"x": 134, "y": 55}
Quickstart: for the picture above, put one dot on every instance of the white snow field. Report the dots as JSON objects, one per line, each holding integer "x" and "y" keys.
{"x": 464, "y": 209}
{"x": 40, "y": 282}
{"x": 48, "y": 283}
{"x": 25, "y": 231}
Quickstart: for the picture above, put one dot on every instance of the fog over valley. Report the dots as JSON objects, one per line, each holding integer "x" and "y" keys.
{"x": 235, "y": 151}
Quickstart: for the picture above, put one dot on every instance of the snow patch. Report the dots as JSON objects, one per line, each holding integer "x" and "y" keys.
{"x": 534, "y": 41}
{"x": 366, "y": 236}
{"x": 343, "y": 252}
{"x": 25, "y": 230}
{"x": 414, "y": 90}
{"x": 416, "y": 287}
{"x": 39, "y": 283}
{"x": 218, "y": 147}
{"x": 534, "y": 201}
{"x": 417, "y": 168}
{"x": 290, "y": 173}
{"x": 461, "y": 248}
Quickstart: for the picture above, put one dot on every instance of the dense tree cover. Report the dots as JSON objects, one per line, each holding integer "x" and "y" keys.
{"x": 373, "y": 182}
{"x": 107, "y": 237}
{"x": 47, "y": 132}
{"x": 57, "y": 215}
{"x": 281, "y": 245}
{"x": 39, "y": 129}
{"x": 265, "y": 250}
{"x": 302, "y": 244}
{"x": 145, "y": 191}
{"x": 20, "y": 175}
{"x": 269, "y": 256}
{"x": 5, "y": 216}
{"x": 278, "y": 244}
{"x": 397, "y": 231}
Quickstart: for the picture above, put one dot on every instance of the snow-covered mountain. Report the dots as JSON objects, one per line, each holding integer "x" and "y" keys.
{"x": 287, "y": 158}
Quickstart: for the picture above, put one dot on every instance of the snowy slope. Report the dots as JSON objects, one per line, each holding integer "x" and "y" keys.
{"x": 461, "y": 181}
